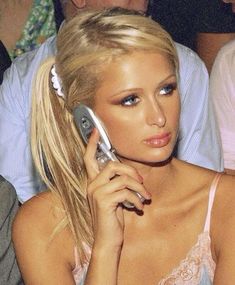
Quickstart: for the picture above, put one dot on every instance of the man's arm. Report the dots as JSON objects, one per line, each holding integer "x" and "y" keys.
{"x": 15, "y": 106}
{"x": 199, "y": 140}
{"x": 15, "y": 157}
{"x": 208, "y": 45}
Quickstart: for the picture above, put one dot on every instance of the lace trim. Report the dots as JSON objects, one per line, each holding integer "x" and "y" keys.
{"x": 79, "y": 273}
{"x": 189, "y": 271}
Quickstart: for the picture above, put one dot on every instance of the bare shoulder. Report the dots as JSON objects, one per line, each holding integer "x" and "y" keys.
{"x": 223, "y": 212}
{"x": 34, "y": 238}
{"x": 223, "y": 230}
{"x": 41, "y": 213}
{"x": 195, "y": 176}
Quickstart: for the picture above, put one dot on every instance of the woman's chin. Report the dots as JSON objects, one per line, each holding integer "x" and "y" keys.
{"x": 159, "y": 160}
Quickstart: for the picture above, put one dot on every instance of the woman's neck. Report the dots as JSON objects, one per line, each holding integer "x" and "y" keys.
{"x": 156, "y": 176}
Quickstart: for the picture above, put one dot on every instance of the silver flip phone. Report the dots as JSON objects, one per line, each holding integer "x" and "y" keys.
{"x": 86, "y": 121}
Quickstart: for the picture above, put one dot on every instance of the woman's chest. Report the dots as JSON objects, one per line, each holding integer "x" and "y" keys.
{"x": 166, "y": 262}
{"x": 150, "y": 253}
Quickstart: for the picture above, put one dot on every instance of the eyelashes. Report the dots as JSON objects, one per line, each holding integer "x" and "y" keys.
{"x": 134, "y": 99}
{"x": 168, "y": 89}
{"x": 130, "y": 100}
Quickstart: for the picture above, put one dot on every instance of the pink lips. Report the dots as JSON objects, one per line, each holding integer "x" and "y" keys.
{"x": 158, "y": 141}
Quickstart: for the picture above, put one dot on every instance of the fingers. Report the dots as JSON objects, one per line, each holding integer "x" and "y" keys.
{"x": 113, "y": 169}
{"x": 110, "y": 170}
{"x": 119, "y": 189}
{"x": 90, "y": 156}
{"x": 116, "y": 181}
{"x": 111, "y": 201}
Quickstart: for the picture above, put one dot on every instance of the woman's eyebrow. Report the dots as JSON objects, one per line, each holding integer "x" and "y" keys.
{"x": 136, "y": 89}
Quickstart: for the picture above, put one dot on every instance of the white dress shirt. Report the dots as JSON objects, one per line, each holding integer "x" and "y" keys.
{"x": 222, "y": 93}
{"x": 199, "y": 142}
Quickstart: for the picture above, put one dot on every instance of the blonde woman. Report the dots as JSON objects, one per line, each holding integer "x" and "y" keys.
{"x": 123, "y": 66}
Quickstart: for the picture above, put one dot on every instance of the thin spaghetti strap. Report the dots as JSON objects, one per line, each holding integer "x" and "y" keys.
{"x": 76, "y": 257}
{"x": 211, "y": 200}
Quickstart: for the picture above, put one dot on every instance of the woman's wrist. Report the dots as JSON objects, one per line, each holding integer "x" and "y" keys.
{"x": 104, "y": 250}
{"x": 103, "y": 267}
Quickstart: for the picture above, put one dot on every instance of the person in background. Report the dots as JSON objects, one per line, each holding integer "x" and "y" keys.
{"x": 203, "y": 25}
{"x": 24, "y": 25}
{"x": 198, "y": 129}
{"x": 59, "y": 15}
{"x": 9, "y": 271}
{"x": 222, "y": 92}
{"x": 125, "y": 67}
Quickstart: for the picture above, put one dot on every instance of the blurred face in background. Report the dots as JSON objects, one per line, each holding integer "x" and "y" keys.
{"x": 138, "y": 5}
{"x": 70, "y": 7}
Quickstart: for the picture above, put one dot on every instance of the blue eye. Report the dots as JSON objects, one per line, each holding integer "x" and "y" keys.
{"x": 168, "y": 89}
{"x": 130, "y": 100}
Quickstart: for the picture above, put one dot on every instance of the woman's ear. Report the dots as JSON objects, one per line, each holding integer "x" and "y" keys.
{"x": 79, "y": 3}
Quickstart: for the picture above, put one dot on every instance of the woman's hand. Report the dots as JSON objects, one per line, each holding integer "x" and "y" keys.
{"x": 107, "y": 189}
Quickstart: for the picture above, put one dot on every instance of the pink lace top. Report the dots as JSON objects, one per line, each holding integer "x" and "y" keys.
{"x": 196, "y": 269}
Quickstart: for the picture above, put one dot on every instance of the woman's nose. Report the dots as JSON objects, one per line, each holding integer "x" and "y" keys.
{"x": 155, "y": 115}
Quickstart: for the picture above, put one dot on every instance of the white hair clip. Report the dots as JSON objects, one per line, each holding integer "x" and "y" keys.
{"x": 56, "y": 82}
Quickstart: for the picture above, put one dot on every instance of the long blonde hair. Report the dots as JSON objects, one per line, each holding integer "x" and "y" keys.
{"x": 84, "y": 45}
